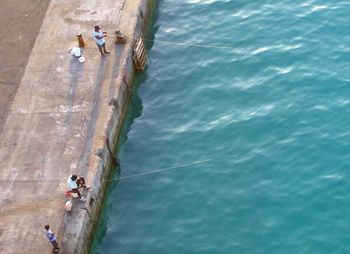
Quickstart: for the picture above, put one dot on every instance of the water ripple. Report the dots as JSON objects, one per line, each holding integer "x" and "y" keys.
{"x": 270, "y": 109}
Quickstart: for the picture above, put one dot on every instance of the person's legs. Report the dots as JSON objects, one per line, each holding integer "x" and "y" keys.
{"x": 55, "y": 245}
{"x": 104, "y": 48}
{"x": 100, "y": 49}
{"x": 77, "y": 192}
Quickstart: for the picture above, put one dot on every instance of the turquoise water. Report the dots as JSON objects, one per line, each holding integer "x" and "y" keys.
{"x": 269, "y": 111}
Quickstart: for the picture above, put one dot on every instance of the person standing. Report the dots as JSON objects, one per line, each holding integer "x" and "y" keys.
{"x": 52, "y": 238}
{"x": 100, "y": 40}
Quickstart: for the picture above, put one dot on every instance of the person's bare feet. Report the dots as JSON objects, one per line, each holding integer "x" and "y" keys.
{"x": 107, "y": 52}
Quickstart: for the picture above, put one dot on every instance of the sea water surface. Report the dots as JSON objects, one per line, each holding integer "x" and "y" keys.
{"x": 251, "y": 99}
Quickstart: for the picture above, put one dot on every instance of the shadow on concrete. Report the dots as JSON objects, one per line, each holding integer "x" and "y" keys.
{"x": 119, "y": 48}
{"x": 83, "y": 160}
{"x": 75, "y": 73}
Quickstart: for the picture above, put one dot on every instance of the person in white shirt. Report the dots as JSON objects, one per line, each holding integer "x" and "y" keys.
{"x": 52, "y": 238}
{"x": 100, "y": 40}
{"x": 74, "y": 183}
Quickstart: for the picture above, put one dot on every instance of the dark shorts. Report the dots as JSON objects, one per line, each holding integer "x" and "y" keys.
{"x": 101, "y": 46}
{"x": 54, "y": 244}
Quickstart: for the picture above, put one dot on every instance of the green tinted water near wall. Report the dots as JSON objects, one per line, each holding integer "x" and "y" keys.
{"x": 270, "y": 110}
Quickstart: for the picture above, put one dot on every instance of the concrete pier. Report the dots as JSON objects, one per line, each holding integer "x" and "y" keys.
{"x": 61, "y": 117}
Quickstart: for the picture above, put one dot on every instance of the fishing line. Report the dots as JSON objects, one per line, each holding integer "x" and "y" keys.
{"x": 164, "y": 169}
{"x": 130, "y": 37}
{"x": 193, "y": 45}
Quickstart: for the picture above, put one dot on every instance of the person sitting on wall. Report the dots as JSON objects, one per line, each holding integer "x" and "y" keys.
{"x": 74, "y": 183}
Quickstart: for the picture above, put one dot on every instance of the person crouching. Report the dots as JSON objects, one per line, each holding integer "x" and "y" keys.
{"x": 74, "y": 183}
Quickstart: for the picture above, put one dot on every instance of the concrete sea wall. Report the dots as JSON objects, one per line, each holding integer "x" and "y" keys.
{"x": 77, "y": 238}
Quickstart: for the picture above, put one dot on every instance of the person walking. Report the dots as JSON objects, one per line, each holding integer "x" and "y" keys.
{"x": 100, "y": 40}
{"x": 52, "y": 238}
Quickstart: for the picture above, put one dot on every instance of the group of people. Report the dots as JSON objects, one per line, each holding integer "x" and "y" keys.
{"x": 74, "y": 183}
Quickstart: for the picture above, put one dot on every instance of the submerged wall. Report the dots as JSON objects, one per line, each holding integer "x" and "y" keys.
{"x": 79, "y": 225}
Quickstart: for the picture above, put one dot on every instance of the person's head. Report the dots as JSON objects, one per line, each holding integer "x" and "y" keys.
{"x": 47, "y": 227}
{"x": 97, "y": 28}
{"x": 74, "y": 177}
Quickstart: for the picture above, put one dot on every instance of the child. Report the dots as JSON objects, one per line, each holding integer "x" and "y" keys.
{"x": 52, "y": 238}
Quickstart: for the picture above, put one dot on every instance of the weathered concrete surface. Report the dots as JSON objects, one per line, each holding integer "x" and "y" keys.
{"x": 59, "y": 121}
{"x": 20, "y": 22}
